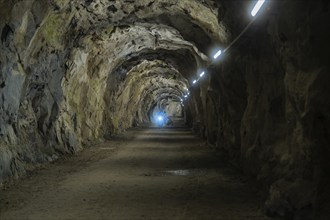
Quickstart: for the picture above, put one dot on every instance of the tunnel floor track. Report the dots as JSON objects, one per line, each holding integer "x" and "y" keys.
{"x": 148, "y": 173}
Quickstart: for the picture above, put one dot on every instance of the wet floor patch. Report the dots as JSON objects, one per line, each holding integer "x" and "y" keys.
{"x": 107, "y": 148}
{"x": 195, "y": 173}
{"x": 184, "y": 172}
{"x": 103, "y": 149}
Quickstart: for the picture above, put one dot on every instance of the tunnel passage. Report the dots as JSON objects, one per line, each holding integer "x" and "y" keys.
{"x": 74, "y": 72}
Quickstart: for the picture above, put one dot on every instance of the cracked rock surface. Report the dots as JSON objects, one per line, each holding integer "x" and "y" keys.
{"x": 73, "y": 72}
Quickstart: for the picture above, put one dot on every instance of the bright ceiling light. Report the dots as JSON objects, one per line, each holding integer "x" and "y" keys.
{"x": 202, "y": 74}
{"x": 194, "y": 81}
{"x": 186, "y": 96}
{"x": 217, "y": 54}
{"x": 257, "y": 7}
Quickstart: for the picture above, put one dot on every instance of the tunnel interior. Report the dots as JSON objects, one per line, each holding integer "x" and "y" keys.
{"x": 75, "y": 72}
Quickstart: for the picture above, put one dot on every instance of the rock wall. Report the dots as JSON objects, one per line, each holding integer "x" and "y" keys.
{"x": 74, "y": 71}
{"x": 268, "y": 106}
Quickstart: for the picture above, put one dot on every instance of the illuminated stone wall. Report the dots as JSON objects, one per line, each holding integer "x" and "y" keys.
{"x": 74, "y": 71}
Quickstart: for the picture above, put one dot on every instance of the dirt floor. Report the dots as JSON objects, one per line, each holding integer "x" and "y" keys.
{"x": 150, "y": 173}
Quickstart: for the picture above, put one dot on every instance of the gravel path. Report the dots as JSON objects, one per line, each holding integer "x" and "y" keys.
{"x": 149, "y": 173}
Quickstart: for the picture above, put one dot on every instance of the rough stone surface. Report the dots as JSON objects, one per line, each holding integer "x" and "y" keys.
{"x": 72, "y": 72}
{"x": 269, "y": 107}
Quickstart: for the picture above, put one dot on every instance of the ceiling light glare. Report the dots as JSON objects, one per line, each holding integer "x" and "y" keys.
{"x": 257, "y": 7}
{"x": 202, "y": 74}
{"x": 186, "y": 96}
{"x": 194, "y": 81}
{"x": 217, "y": 54}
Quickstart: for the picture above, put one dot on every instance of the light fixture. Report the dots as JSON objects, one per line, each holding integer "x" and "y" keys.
{"x": 160, "y": 119}
{"x": 186, "y": 96}
{"x": 257, "y": 7}
{"x": 194, "y": 81}
{"x": 202, "y": 74}
{"x": 217, "y": 54}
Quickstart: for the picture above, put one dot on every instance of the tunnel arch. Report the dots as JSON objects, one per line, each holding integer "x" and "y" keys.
{"x": 96, "y": 28}
{"x": 63, "y": 64}
{"x": 150, "y": 79}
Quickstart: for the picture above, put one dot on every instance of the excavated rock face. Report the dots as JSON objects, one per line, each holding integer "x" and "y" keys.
{"x": 73, "y": 71}
{"x": 267, "y": 104}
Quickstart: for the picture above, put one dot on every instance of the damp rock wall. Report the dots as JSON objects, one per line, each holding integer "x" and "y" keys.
{"x": 75, "y": 72}
{"x": 267, "y": 105}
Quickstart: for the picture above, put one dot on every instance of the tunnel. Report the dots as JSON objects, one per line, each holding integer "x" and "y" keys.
{"x": 165, "y": 109}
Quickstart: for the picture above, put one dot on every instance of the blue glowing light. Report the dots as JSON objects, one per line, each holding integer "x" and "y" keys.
{"x": 160, "y": 119}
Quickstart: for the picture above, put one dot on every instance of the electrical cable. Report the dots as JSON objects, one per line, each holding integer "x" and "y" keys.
{"x": 258, "y": 6}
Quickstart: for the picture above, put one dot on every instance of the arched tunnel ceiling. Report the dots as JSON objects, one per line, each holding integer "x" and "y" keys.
{"x": 74, "y": 71}
{"x": 115, "y": 37}
{"x": 116, "y": 55}
{"x": 201, "y": 15}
